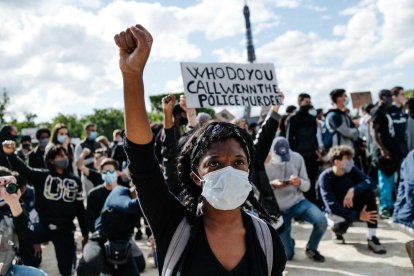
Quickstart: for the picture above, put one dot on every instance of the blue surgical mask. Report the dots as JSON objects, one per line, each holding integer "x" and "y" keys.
{"x": 109, "y": 177}
{"x": 347, "y": 167}
{"x": 44, "y": 142}
{"x": 93, "y": 135}
{"x": 346, "y": 101}
{"x": 227, "y": 188}
{"x": 312, "y": 112}
{"x": 61, "y": 138}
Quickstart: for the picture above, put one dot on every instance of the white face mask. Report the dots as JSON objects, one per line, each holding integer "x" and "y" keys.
{"x": 312, "y": 112}
{"x": 227, "y": 188}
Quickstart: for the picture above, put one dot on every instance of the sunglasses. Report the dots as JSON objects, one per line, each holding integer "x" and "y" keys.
{"x": 105, "y": 172}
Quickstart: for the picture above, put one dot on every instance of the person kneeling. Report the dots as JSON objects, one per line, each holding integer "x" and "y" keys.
{"x": 348, "y": 195}
{"x": 289, "y": 179}
{"x": 111, "y": 249}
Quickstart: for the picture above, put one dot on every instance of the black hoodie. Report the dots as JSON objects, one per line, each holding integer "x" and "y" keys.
{"x": 59, "y": 198}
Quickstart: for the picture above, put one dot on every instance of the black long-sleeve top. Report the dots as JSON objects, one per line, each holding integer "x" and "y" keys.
{"x": 169, "y": 152}
{"x": 164, "y": 213}
{"x": 262, "y": 144}
{"x": 59, "y": 198}
{"x": 96, "y": 200}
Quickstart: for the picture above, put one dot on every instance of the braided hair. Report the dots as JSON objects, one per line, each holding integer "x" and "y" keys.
{"x": 196, "y": 147}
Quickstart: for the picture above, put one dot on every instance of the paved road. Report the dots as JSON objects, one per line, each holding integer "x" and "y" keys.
{"x": 351, "y": 259}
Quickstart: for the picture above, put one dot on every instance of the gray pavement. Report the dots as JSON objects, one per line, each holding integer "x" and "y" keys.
{"x": 352, "y": 258}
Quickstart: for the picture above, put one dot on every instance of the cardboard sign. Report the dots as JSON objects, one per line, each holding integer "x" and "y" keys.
{"x": 360, "y": 98}
{"x": 230, "y": 84}
{"x": 224, "y": 116}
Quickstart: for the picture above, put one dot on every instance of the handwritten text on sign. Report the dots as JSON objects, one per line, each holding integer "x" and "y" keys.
{"x": 230, "y": 84}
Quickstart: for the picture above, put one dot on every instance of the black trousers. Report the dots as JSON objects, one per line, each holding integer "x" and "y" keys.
{"x": 366, "y": 198}
{"x": 93, "y": 262}
{"x": 64, "y": 243}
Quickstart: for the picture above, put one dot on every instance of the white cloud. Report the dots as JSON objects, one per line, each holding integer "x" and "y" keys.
{"x": 293, "y": 4}
{"x": 369, "y": 52}
{"x": 61, "y": 55}
{"x": 175, "y": 85}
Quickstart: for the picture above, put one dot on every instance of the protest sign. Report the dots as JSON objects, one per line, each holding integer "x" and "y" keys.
{"x": 224, "y": 116}
{"x": 360, "y": 98}
{"x": 230, "y": 84}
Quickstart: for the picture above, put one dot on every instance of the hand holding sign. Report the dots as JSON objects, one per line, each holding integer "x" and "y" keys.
{"x": 230, "y": 84}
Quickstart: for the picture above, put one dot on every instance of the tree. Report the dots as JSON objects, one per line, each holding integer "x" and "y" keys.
{"x": 3, "y": 106}
{"x": 106, "y": 120}
{"x": 72, "y": 122}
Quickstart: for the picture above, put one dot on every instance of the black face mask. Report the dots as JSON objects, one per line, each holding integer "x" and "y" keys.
{"x": 183, "y": 121}
{"x": 14, "y": 137}
{"x": 26, "y": 146}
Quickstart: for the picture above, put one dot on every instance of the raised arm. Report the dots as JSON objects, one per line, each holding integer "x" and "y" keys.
{"x": 134, "y": 51}
{"x": 33, "y": 175}
{"x": 80, "y": 162}
{"x": 191, "y": 112}
{"x": 154, "y": 197}
{"x": 169, "y": 146}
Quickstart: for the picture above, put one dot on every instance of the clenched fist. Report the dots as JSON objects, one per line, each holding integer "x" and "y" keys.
{"x": 134, "y": 48}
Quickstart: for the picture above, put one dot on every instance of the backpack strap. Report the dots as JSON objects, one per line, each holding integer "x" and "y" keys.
{"x": 176, "y": 247}
{"x": 265, "y": 239}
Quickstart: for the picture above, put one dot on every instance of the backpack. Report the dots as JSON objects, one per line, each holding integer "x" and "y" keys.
{"x": 327, "y": 132}
{"x": 182, "y": 235}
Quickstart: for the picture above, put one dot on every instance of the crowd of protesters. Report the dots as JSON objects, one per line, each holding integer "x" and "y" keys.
{"x": 216, "y": 198}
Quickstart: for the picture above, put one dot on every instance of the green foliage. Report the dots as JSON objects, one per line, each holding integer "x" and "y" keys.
{"x": 106, "y": 120}
{"x": 155, "y": 117}
{"x": 409, "y": 93}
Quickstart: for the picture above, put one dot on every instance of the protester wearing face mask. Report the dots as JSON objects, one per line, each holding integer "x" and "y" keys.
{"x": 90, "y": 143}
{"x": 214, "y": 168}
{"x": 37, "y": 156}
{"x": 107, "y": 177}
{"x": 59, "y": 200}
{"x": 288, "y": 177}
{"x": 113, "y": 231}
{"x": 348, "y": 195}
{"x": 25, "y": 148}
{"x": 387, "y": 152}
{"x": 93, "y": 174}
{"x": 61, "y": 136}
{"x": 7, "y": 132}
{"x": 301, "y": 133}
{"x": 338, "y": 122}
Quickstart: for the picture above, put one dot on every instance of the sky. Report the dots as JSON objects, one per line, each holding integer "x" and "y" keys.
{"x": 59, "y": 56}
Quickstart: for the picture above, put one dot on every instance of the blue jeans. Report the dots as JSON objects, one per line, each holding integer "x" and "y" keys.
{"x": 386, "y": 187}
{"x": 307, "y": 211}
{"x": 23, "y": 270}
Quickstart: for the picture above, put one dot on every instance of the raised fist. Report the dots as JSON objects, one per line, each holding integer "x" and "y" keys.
{"x": 9, "y": 147}
{"x": 168, "y": 103}
{"x": 134, "y": 49}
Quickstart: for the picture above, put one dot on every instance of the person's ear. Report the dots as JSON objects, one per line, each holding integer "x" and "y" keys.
{"x": 195, "y": 179}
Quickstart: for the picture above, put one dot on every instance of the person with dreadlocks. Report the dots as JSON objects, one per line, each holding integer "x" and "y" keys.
{"x": 210, "y": 234}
